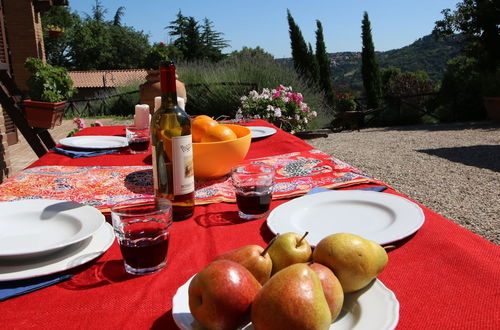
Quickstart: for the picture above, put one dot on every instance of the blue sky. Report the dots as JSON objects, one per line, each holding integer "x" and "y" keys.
{"x": 395, "y": 23}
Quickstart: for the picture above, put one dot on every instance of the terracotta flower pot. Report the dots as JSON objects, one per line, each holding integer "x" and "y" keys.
{"x": 492, "y": 105}
{"x": 44, "y": 114}
{"x": 55, "y": 33}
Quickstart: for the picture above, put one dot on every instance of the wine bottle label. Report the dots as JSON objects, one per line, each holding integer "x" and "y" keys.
{"x": 182, "y": 161}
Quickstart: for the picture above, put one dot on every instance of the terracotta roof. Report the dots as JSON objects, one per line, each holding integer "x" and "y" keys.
{"x": 107, "y": 78}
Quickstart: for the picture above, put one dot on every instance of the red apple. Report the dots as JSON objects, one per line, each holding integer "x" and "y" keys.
{"x": 221, "y": 294}
{"x": 331, "y": 288}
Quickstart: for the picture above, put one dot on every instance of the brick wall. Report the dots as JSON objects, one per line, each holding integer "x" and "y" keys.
{"x": 5, "y": 165}
{"x": 25, "y": 36}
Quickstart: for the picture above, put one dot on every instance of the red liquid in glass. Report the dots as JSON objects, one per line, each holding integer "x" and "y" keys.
{"x": 254, "y": 199}
{"x": 146, "y": 252}
{"x": 140, "y": 144}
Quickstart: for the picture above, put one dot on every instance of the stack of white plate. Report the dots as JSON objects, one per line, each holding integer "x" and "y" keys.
{"x": 40, "y": 237}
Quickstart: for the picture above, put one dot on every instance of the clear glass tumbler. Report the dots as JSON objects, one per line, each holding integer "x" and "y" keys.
{"x": 138, "y": 139}
{"x": 141, "y": 226}
{"x": 253, "y": 184}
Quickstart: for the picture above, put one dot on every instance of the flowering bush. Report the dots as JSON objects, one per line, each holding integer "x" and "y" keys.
{"x": 80, "y": 124}
{"x": 345, "y": 103}
{"x": 280, "y": 106}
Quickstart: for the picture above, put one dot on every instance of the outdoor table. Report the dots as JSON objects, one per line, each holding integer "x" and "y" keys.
{"x": 444, "y": 276}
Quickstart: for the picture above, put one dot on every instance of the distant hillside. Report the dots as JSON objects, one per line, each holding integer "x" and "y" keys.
{"x": 425, "y": 54}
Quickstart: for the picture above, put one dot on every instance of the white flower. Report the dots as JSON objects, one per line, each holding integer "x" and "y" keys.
{"x": 277, "y": 112}
{"x": 314, "y": 114}
{"x": 305, "y": 120}
{"x": 297, "y": 117}
{"x": 254, "y": 94}
{"x": 270, "y": 108}
{"x": 244, "y": 98}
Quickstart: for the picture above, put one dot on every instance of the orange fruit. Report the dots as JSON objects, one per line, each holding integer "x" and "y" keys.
{"x": 201, "y": 117}
{"x": 199, "y": 127}
{"x": 218, "y": 133}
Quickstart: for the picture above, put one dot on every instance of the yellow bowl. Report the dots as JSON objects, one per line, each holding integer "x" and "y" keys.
{"x": 215, "y": 159}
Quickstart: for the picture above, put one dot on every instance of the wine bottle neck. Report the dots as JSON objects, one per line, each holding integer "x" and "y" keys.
{"x": 168, "y": 87}
{"x": 167, "y": 79}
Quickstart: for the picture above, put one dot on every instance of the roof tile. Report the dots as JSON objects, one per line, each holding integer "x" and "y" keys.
{"x": 107, "y": 78}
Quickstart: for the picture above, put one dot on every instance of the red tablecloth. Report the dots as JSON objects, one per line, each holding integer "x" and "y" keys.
{"x": 445, "y": 277}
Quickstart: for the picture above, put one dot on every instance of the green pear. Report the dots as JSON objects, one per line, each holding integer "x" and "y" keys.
{"x": 289, "y": 249}
{"x": 355, "y": 261}
{"x": 293, "y": 298}
{"x": 252, "y": 257}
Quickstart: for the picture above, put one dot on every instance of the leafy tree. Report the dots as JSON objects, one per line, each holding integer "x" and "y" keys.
{"x": 479, "y": 21}
{"x": 56, "y": 48}
{"x": 212, "y": 41}
{"x": 197, "y": 41}
{"x": 117, "y": 20}
{"x": 325, "y": 75}
{"x": 460, "y": 93}
{"x": 93, "y": 43}
{"x": 369, "y": 66}
{"x": 300, "y": 53}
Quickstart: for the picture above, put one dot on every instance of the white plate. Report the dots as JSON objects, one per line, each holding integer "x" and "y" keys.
{"x": 94, "y": 142}
{"x": 64, "y": 259}
{"x": 374, "y": 307}
{"x": 380, "y": 217}
{"x": 31, "y": 227}
{"x": 261, "y": 131}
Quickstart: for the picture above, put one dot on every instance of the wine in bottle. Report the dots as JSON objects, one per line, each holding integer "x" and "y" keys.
{"x": 172, "y": 151}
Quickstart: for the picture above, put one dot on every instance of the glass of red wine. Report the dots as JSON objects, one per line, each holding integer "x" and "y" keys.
{"x": 142, "y": 227}
{"x": 138, "y": 139}
{"x": 253, "y": 184}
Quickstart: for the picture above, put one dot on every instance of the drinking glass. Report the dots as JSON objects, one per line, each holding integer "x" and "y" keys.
{"x": 141, "y": 226}
{"x": 253, "y": 184}
{"x": 138, "y": 139}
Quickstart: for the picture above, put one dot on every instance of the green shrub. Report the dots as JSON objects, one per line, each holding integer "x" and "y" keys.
{"x": 207, "y": 95}
{"x": 461, "y": 91}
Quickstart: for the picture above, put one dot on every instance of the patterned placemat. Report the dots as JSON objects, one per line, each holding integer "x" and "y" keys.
{"x": 103, "y": 186}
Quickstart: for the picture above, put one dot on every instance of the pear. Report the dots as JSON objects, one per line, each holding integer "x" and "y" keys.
{"x": 254, "y": 258}
{"x": 293, "y": 298}
{"x": 355, "y": 261}
{"x": 289, "y": 249}
{"x": 332, "y": 288}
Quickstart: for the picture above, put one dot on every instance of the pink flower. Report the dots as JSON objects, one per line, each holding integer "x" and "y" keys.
{"x": 276, "y": 95}
{"x": 80, "y": 123}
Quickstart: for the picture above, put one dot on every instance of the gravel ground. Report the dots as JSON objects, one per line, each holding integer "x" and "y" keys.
{"x": 453, "y": 169}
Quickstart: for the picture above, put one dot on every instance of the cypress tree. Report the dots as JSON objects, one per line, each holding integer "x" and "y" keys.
{"x": 300, "y": 54}
{"x": 314, "y": 63}
{"x": 369, "y": 66}
{"x": 325, "y": 75}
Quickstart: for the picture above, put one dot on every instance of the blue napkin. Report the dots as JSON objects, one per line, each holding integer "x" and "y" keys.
{"x": 84, "y": 153}
{"x": 316, "y": 190}
{"x": 16, "y": 288}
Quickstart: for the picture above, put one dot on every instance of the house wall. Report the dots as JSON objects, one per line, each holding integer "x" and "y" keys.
{"x": 25, "y": 36}
{"x": 5, "y": 164}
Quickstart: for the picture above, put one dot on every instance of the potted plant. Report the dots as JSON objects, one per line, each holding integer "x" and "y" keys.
{"x": 48, "y": 87}
{"x": 54, "y": 31}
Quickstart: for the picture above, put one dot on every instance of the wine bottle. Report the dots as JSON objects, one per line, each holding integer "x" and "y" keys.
{"x": 173, "y": 171}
